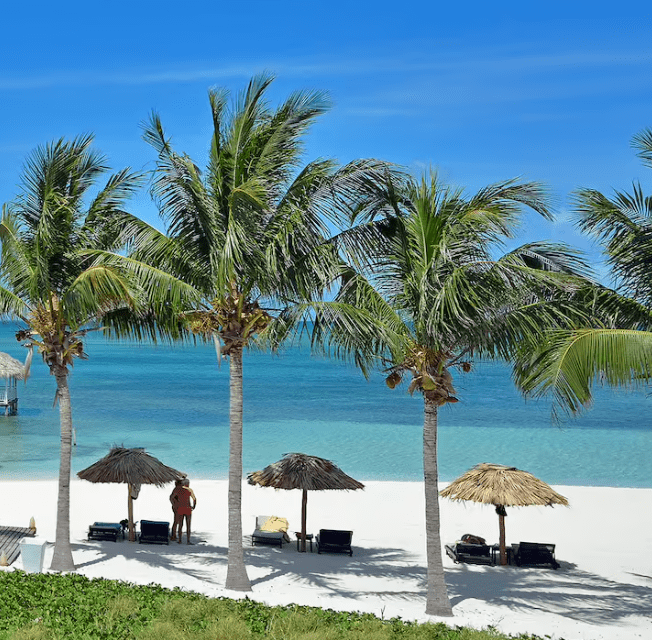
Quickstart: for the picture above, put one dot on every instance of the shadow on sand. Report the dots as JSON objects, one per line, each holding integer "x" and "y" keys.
{"x": 568, "y": 591}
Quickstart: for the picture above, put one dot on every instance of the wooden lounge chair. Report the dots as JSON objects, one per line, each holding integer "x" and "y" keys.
{"x": 105, "y": 531}
{"x": 536, "y": 554}
{"x": 470, "y": 553}
{"x": 267, "y": 537}
{"x": 154, "y": 532}
{"x": 334, "y": 541}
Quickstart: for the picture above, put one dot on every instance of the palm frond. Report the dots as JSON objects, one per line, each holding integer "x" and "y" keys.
{"x": 570, "y": 362}
{"x": 250, "y": 109}
{"x": 12, "y": 306}
{"x": 102, "y": 227}
{"x": 336, "y": 329}
{"x": 601, "y": 218}
{"x": 279, "y": 142}
{"x": 643, "y": 143}
{"x": 16, "y": 268}
{"x": 146, "y": 285}
{"x": 148, "y": 245}
{"x": 96, "y": 289}
{"x": 61, "y": 167}
{"x": 502, "y": 196}
{"x": 552, "y": 256}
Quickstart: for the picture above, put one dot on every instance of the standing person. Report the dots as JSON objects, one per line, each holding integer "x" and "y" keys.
{"x": 186, "y": 502}
{"x": 176, "y": 524}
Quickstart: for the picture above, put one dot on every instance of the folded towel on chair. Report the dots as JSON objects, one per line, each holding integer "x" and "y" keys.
{"x": 274, "y": 524}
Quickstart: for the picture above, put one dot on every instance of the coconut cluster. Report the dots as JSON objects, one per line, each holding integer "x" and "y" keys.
{"x": 430, "y": 374}
{"x": 58, "y": 345}
{"x": 234, "y": 318}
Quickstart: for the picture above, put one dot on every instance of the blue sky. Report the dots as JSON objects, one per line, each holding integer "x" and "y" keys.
{"x": 549, "y": 91}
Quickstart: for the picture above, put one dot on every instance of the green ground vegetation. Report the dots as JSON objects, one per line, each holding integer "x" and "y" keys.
{"x": 55, "y": 606}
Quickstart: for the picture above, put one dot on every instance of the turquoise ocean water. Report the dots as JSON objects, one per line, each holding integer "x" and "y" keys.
{"x": 174, "y": 402}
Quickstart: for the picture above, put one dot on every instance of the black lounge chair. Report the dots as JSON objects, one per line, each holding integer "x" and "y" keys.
{"x": 267, "y": 537}
{"x": 535, "y": 554}
{"x": 154, "y": 532}
{"x": 470, "y": 553}
{"x": 334, "y": 541}
{"x": 105, "y": 531}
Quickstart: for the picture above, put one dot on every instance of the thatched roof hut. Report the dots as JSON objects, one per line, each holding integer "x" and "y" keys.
{"x": 132, "y": 467}
{"x": 11, "y": 370}
{"x": 308, "y": 473}
{"x": 10, "y": 367}
{"x": 502, "y": 487}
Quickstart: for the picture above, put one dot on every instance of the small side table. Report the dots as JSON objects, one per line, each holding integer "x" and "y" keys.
{"x": 495, "y": 554}
{"x": 309, "y": 537}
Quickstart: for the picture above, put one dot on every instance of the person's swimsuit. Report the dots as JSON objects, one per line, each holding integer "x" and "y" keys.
{"x": 184, "y": 507}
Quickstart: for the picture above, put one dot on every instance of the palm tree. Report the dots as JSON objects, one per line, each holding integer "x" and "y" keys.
{"x": 59, "y": 275}
{"x": 442, "y": 298}
{"x": 249, "y": 234}
{"x": 616, "y": 347}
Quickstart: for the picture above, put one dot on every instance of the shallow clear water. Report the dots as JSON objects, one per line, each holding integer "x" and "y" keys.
{"x": 174, "y": 402}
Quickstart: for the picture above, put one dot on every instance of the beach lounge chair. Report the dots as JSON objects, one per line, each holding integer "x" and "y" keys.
{"x": 535, "y": 554}
{"x": 270, "y": 530}
{"x": 105, "y": 531}
{"x": 470, "y": 553}
{"x": 334, "y": 541}
{"x": 154, "y": 532}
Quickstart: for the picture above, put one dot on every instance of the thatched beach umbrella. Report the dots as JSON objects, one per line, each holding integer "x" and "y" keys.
{"x": 502, "y": 487}
{"x": 132, "y": 467}
{"x": 308, "y": 473}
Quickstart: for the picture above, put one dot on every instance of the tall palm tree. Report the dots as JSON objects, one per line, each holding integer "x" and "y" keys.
{"x": 616, "y": 347}
{"x": 53, "y": 279}
{"x": 248, "y": 234}
{"x": 442, "y": 298}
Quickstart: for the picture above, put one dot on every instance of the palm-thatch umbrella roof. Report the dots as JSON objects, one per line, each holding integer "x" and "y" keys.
{"x": 308, "y": 473}
{"x": 132, "y": 467}
{"x": 10, "y": 367}
{"x": 502, "y": 487}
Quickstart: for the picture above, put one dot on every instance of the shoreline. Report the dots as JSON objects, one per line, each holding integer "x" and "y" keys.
{"x": 53, "y": 477}
{"x": 602, "y": 589}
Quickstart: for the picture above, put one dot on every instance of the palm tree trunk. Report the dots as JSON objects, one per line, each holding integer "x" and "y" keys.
{"x": 236, "y": 572}
{"x": 62, "y": 558}
{"x": 437, "y": 603}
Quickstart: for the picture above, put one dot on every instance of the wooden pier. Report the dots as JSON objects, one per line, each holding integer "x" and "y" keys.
{"x": 10, "y": 538}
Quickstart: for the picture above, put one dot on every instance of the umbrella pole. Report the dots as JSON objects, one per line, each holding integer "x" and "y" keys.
{"x": 501, "y": 527}
{"x": 304, "y": 511}
{"x": 130, "y": 505}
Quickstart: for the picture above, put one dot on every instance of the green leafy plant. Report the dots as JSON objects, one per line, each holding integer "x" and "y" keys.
{"x": 73, "y": 607}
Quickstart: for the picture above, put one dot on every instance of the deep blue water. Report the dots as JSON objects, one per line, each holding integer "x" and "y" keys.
{"x": 174, "y": 402}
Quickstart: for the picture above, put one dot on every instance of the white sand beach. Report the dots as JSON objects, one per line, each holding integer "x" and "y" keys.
{"x": 603, "y": 589}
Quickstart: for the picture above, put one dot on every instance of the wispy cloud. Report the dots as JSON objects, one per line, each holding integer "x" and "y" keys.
{"x": 188, "y": 74}
{"x": 480, "y": 64}
{"x": 99, "y": 78}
